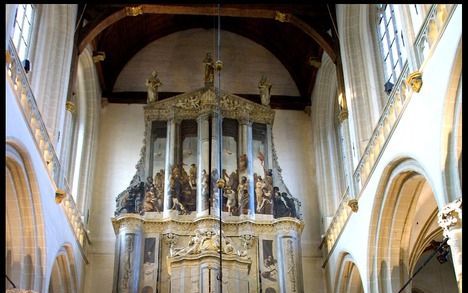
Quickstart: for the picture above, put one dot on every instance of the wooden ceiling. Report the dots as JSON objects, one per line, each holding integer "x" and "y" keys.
{"x": 294, "y": 34}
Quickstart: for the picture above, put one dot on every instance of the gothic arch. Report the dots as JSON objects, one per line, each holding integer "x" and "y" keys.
{"x": 63, "y": 276}
{"x": 395, "y": 240}
{"x": 363, "y": 92}
{"x": 25, "y": 241}
{"x": 348, "y": 277}
{"x": 85, "y": 133}
{"x": 451, "y": 136}
{"x": 325, "y": 143}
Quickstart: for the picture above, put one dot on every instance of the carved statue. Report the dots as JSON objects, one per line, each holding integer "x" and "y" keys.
{"x": 152, "y": 83}
{"x": 265, "y": 88}
{"x": 231, "y": 199}
{"x": 209, "y": 70}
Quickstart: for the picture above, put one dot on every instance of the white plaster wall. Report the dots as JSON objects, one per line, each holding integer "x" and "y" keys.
{"x": 417, "y": 136}
{"x": 292, "y": 136}
{"x": 57, "y": 229}
{"x": 178, "y": 59}
{"x": 121, "y": 134}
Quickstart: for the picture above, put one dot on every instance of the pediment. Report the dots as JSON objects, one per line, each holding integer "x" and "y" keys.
{"x": 191, "y": 105}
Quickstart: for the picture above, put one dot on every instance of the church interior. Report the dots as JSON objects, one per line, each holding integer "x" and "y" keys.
{"x": 223, "y": 147}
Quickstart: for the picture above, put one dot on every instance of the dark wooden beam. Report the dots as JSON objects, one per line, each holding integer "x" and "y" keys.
{"x": 211, "y": 10}
{"x": 276, "y": 101}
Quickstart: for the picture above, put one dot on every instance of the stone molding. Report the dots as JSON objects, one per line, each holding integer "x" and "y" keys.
{"x": 177, "y": 227}
{"x": 202, "y": 101}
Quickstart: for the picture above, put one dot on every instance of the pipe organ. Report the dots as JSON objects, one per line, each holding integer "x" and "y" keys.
{"x": 207, "y": 210}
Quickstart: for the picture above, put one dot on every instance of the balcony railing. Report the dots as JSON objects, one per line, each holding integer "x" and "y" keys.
{"x": 430, "y": 33}
{"x": 19, "y": 83}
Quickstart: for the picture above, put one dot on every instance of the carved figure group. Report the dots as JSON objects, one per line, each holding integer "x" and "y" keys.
{"x": 204, "y": 241}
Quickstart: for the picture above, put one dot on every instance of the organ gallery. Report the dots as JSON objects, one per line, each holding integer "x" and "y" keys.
{"x": 207, "y": 209}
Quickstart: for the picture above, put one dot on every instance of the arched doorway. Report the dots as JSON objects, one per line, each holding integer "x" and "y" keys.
{"x": 403, "y": 225}
{"x": 24, "y": 248}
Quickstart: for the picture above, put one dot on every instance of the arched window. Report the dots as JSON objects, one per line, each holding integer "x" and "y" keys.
{"x": 22, "y": 29}
{"x": 392, "y": 43}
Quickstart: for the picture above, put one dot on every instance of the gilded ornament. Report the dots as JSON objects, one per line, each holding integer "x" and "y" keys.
{"x": 99, "y": 56}
{"x": 353, "y": 204}
{"x": 218, "y": 65}
{"x": 7, "y": 57}
{"x": 59, "y": 195}
{"x": 220, "y": 183}
{"x": 282, "y": 17}
{"x": 133, "y": 11}
{"x": 343, "y": 115}
{"x": 415, "y": 81}
{"x": 70, "y": 107}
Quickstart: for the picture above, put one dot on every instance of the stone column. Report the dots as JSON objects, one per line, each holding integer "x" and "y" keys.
{"x": 245, "y": 153}
{"x": 128, "y": 257}
{"x": 289, "y": 265}
{"x": 450, "y": 219}
{"x": 203, "y": 156}
{"x": 173, "y": 137}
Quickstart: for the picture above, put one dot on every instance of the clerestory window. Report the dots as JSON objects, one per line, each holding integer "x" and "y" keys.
{"x": 22, "y": 30}
{"x": 392, "y": 43}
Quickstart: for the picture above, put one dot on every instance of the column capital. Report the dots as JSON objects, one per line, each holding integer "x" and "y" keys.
{"x": 245, "y": 121}
{"x": 451, "y": 216}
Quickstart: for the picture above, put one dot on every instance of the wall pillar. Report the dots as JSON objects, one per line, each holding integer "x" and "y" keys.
{"x": 450, "y": 219}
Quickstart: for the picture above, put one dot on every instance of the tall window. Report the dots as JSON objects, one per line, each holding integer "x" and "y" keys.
{"x": 392, "y": 44}
{"x": 22, "y": 29}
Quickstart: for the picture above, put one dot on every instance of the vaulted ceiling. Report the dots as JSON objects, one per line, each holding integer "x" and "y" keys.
{"x": 297, "y": 35}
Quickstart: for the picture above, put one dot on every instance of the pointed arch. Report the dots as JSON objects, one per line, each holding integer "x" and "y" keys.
{"x": 25, "y": 243}
{"x": 395, "y": 240}
{"x": 348, "y": 278}
{"x": 63, "y": 277}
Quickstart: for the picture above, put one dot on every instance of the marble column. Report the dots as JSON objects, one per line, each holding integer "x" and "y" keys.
{"x": 203, "y": 155}
{"x": 246, "y": 153}
{"x": 128, "y": 259}
{"x": 172, "y": 148}
{"x": 450, "y": 219}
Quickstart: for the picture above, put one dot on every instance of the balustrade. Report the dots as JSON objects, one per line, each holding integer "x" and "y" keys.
{"x": 19, "y": 82}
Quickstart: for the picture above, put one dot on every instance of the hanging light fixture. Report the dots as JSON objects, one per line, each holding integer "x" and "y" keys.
{"x": 220, "y": 182}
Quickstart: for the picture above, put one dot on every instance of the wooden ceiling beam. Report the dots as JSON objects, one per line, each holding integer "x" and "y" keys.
{"x": 209, "y": 10}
